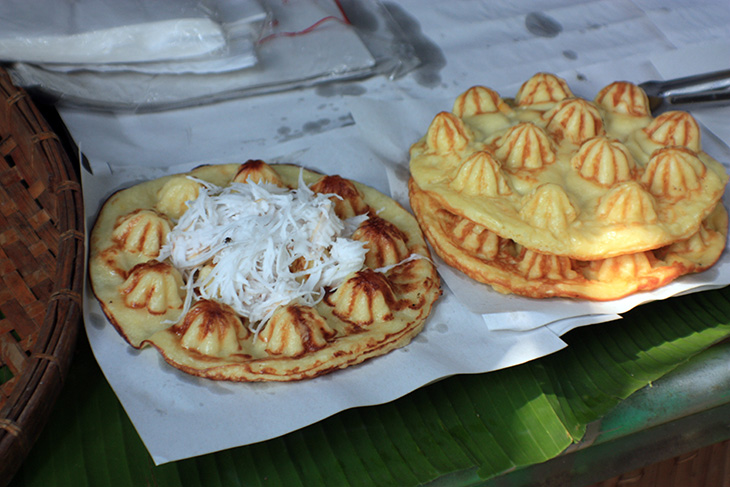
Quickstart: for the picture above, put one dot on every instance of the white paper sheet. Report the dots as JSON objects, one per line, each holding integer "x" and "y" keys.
{"x": 179, "y": 416}
{"x": 159, "y": 399}
{"x": 340, "y": 130}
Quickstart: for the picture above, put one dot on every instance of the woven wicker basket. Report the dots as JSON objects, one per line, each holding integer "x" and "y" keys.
{"x": 41, "y": 271}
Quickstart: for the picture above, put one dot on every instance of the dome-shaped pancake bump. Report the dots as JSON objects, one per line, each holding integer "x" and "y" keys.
{"x": 414, "y": 282}
{"x": 364, "y": 298}
{"x": 471, "y": 236}
{"x": 536, "y": 265}
{"x": 675, "y": 128}
{"x": 385, "y": 243}
{"x": 604, "y": 160}
{"x": 480, "y": 174}
{"x": 156, "y": 286}
{"x": 627, "y": 202}
{"x": 623, "y": 267}
{"x": 257, "y": 171}
{"x": 548, "y": 207}
{"x": 174, "y": 195}
{"x": 446, "y": 134}
{"x": 525, "y": 146}
{"x": 350, "y": 202}
{"x": 624, "y": 98}
{"x": 294, "y": 330}
{"x": 204, "y": 271}
{"x": 477, "y": 100}
{"x": 542, "y": 88}
{"x": 705, "y": 246}
{"x": 212, "y": 329}
{"x": 575, "y": 120}
{"x": 697, "y": 243}
{"x": 674, "y": 172}
{"x": 142, "y": 232}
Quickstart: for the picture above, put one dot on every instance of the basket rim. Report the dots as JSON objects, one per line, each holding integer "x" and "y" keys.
{"x": 36, "y": 388}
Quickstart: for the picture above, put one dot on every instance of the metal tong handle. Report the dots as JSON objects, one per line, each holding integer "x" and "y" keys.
{"x": 707, "y": 89}
{"x": 706, "y": 98}
{"x": 695, "y": 83}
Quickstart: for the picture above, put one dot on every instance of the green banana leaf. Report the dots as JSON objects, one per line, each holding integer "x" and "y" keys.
{"x": 468, "y": 426}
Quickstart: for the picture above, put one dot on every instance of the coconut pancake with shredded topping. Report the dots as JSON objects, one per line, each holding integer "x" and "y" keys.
{"x": 259, "y": 272}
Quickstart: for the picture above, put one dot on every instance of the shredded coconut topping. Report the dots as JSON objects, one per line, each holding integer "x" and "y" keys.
{"x": 256, "y": 246}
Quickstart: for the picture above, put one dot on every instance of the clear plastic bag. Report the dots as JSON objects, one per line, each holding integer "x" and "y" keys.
{"x": 301, "y": 44}
{"x": 106, "y": 31}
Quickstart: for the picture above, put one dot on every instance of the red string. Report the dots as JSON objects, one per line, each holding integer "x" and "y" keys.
{"x": 342, "y": 11}
{"x": 345, "y": 20}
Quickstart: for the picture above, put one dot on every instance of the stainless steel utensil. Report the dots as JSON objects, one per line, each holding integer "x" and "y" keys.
{"x": 701, "y": 90}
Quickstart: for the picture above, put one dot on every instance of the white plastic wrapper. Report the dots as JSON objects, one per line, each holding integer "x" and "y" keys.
{"x": 106, "y": 31}
{"x": 272, "y": 46}
{"x": 241, "y": 22}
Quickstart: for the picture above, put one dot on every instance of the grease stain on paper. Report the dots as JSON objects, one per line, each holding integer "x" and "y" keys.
{"x": 98, "y": 321}
{"x": 542, "y": 25}
{"x": 329, "y": 90}
{"x": 285, "y": 133}
{"x": 361, "y": 18}
{"x": 428, "y": 74}
{"x": 316, "y": 126}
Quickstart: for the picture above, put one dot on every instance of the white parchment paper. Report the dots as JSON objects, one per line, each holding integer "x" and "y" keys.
{"x": 363, "y": 130}
{"x": 215, "y": 415}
